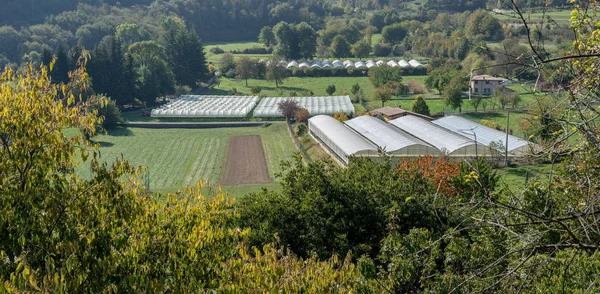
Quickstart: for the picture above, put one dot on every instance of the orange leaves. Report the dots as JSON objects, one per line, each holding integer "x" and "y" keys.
{"x": 437, "y": 172}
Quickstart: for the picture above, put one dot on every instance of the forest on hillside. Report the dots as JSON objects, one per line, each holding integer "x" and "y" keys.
{"x": 138, "y": 49}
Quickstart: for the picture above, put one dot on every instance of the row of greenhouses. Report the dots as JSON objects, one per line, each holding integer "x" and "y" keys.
{"x": 411, "y": 136}
{"x": 208, "y": 106}
{"x": 350, "y": 64}
{"x": 269, "y": 107}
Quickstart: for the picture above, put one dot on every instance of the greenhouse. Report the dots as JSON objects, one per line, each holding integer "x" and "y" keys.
{"x": 448, "y": 142}
{"x": 207, "y": 106}
{"x": 269, "y": 107}
{"x": 337, "y": 63}
{"x": 414, "y": 63}
{"x": 339, "y": 139}
{"x": 484, "y": 135}
{"x": 394, "y": 141}
{"x": 349, "y": 64}
{"x": 360, "y": 64}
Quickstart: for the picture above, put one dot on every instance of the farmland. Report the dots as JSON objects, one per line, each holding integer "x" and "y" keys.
{"x": 180, "y": 157}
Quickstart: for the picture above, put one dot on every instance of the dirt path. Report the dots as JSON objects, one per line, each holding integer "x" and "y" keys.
{"x": 246, "y": 163}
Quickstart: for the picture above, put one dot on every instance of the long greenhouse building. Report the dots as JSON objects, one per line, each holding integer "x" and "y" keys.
{"x": 410, "y": 136}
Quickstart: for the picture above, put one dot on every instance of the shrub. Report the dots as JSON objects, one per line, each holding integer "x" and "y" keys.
{"x": 301, "y": 129}
{"x": 415, "y": 87}
{"x": 302, "y": 115}
{"x": 108, "y": 110}
{"x": 382, "y": 49}
{"x": 330, "y": 89}
{"x": 216, "y": 50}
{"x": 255, "y": 90}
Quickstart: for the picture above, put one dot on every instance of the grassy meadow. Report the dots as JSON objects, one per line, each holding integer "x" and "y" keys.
{"x": 177, "y": 158}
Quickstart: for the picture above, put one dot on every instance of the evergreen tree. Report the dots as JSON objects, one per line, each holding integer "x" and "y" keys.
{"x": 185, "y": 52}
{"x": 60, "y": 72}
{"x": 47, "y": 56}
{"x": 420, "y": 106}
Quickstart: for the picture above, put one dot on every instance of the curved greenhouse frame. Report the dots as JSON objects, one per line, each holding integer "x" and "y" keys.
{"x": 339, "y": 139}
{"x": 394, "y": 141}
{"x": 448, "y": 142}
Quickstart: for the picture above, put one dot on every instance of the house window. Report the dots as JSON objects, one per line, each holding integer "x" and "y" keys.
{"x": 476, "y": 82}
{"x": 486, "y": 90}
{"x": 487, "y": 82}
{"x": 476, "y": 90}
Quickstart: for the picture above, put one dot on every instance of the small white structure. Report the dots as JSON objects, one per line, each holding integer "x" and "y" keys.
{"x": 337, "y": 63}
{"x": 403, "y": 63}
{"x": 360, "y": 64}
{"x": 414, "y": 63}
{"x": 304, "y": 63}
{"x": 292, "y": 63}
{"x": 392, "y": 63}
{"x": 348, "y": 64}
{"x": 339, "y": 139}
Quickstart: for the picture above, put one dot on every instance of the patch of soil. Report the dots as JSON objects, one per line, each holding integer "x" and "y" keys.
{"x": 246, "y": 163}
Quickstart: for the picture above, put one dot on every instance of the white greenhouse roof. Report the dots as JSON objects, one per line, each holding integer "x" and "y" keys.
{"x": 343, "y": 137}
{"x": 414, "y": 63}
{"x": 207, "y": 106}
{"x": 485, "y": 135}
{"x": 441, "y": 138}
{"x": 384, "y": 135}
{"x": 346, "y": 63}
{"x": 269, "y": 107}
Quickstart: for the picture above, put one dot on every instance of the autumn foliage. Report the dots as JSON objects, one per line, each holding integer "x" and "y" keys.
{"x": 437, "y": 172}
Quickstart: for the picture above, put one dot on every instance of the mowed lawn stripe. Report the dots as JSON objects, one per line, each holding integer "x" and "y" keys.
{"x": 180, "y": 157}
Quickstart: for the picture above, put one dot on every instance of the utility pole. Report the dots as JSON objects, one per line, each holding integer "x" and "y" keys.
{"x": 506, "y": 145}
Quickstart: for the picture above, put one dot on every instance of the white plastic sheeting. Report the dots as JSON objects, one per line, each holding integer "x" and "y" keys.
{"x": 414, "y": 63}
{"x": 392, "y": 63}
{"x": 485, "y": 135}
{"x": 207, "y": 106}
{"x": 339, "y": 139}
{"x": 269, "y": 107}
{"x": 348, "y": 63}
{"x": 448, "y": 142}
{"x": 360, "y": 64}
{"x": 393, "y": 140}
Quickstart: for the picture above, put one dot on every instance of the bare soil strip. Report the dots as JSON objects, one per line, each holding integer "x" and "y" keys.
{"x": 246, "y": 163}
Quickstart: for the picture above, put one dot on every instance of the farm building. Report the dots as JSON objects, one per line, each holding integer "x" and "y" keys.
{"x": 390, "y": 113}
{"x": 451, "y": 143}
{"x": 269, "y": 107}
{"x": 188, "y": 106}
{"x": 485, "y": 135}
{"x": 393, "y": 140}
{"x": 339, "y": 139}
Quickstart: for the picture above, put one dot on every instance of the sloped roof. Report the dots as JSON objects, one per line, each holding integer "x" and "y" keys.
{"x": 383, "y": 135}
{"x": 485, "y": 135}
{"x": 440, "y": 138}
{"x": 342, "y": 136}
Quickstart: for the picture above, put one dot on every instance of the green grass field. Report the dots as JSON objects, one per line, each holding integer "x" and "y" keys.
{"x": 177, "y": 158}
{"x": 558, "y": 16}
{"x": 214, "y": 58}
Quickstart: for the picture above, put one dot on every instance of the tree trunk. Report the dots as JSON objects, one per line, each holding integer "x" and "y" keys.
{"x": 246, "y": 82}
